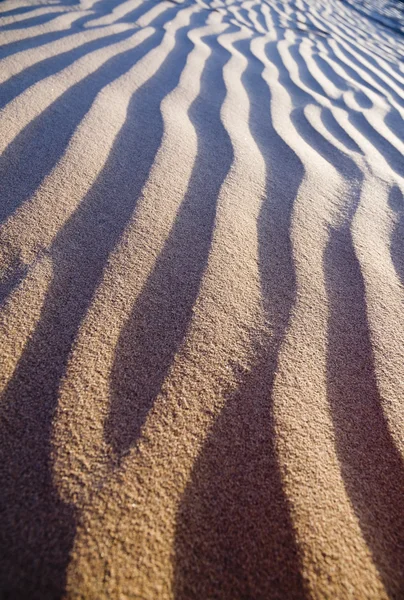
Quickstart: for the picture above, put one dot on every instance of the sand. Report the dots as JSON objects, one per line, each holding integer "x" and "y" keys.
{"x": 201, "y": 299}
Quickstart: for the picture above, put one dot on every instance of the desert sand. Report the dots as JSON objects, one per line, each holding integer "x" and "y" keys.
{"x": 202, "y": 299}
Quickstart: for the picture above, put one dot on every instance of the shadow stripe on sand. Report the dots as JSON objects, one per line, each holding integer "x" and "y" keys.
{"x": 37, "y": 529}
{"x": 365, "y": 448}
{"x": 234, "y": 536}
{"x": 160, "y": 318}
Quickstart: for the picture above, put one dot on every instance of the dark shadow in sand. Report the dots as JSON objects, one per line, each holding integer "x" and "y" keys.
{"x": 35, "y": 41}
{"x": 19, "y": 11}
{"x": 32, "y": 22}
{"x": 141, "y": 10}
{"x": 390, "y": 153}
{"x": 160, "y": 318}
{"x": 12, "y": 278}
{"x": 77, "y": 25}
{"x": 33, "y": 153}
{"x": 356, "y": 58}
{"x": 377, "y": 17}
{"x": 36, "y": 528}
{"x": 371, "y": 465}
{"x": 234, "y": 537}
{"x": 36, "y": 150}
{"x": 54, "y": 64}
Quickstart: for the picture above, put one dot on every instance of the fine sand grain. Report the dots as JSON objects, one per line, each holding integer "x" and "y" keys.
{"x": 201, "y": 299}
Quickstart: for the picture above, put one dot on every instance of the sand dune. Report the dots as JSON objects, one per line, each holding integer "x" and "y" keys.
{"x": 201, "y": 299}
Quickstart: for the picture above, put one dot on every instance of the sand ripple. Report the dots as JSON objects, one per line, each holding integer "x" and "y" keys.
{"x": 201, "y": 299}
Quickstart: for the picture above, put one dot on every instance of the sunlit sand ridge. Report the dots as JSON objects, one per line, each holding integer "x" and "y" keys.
{"x": 201, "y": 299}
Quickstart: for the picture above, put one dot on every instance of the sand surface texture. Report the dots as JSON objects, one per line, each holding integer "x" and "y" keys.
{"x": 202, "y": 299}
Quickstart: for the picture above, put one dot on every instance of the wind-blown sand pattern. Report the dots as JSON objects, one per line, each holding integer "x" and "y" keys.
{"x": 201, "y": 299}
